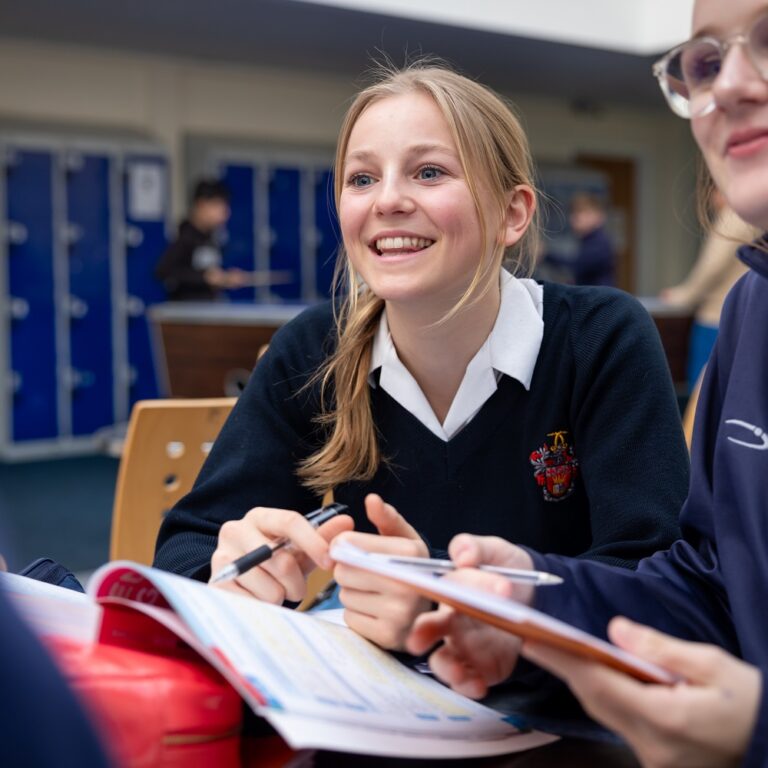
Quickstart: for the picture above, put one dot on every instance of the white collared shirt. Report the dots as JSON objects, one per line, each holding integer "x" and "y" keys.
{"x": 511, "y": 349}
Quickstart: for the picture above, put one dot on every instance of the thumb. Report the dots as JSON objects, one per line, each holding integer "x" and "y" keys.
{"x": 469, "y": 551}
{"x": 336, "y": 525}
{"x": 388, "y": 521}
{"x": 691, "y": 660}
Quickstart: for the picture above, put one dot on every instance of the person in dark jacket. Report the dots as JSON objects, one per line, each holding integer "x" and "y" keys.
{"x": 190, "y": 268}
{"x": 711, "y": 585}
{"x": 594, "y": 262}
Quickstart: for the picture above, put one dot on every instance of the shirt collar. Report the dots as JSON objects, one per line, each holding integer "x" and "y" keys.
{"x": 755, "y": 256}
{"x": 511, "y": 348}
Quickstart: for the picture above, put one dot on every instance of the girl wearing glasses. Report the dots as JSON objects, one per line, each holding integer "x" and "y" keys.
{"x": 712, "y": 585}
{"x": 468, "y": 398}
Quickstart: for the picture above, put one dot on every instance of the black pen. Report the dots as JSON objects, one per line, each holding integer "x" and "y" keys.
{"x": 265, "y": 551}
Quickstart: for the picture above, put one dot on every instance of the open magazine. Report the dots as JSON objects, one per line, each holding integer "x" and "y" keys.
{"x": 506, "y": 614}
{"x": 319, "y": 684}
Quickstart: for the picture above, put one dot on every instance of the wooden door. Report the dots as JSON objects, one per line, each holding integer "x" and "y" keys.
{"x": 620, "y": 173}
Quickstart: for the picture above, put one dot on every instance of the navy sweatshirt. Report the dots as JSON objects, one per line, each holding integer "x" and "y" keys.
{"x": 712, "y": 584}
{"x": 589, "y": 462}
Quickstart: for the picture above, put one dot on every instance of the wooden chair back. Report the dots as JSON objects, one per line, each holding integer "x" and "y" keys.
{"x": 690, "y": 411}
{"x": 166, "y": 444}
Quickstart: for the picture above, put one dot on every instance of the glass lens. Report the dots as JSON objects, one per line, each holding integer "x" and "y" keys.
{"x": 691, "y": 69}
{"x": 700, "y": 62}
{"x": 758, "y": 45}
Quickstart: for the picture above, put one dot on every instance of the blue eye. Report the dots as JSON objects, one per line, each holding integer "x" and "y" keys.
{"x": 429, "y": 173}
{"x": 360, "y": 180}
{"x": 700, "y": 64}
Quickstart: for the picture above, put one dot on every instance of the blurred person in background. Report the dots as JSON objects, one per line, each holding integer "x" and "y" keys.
{"x": 594, "y": 262}
{"x": 714, "y": 273}
{"x": 190, "y": 269}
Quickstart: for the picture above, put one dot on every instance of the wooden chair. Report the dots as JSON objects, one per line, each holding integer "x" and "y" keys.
{"x": 166, "y": 444}
{"x": 690, "y": 411}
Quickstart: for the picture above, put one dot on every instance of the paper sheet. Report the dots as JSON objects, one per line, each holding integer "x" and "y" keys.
{"x": 52, "y": 610}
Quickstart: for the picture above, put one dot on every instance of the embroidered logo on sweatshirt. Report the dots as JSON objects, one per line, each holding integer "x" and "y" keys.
{"x": 761, "y": 444}
{"x": 555, "y": 467}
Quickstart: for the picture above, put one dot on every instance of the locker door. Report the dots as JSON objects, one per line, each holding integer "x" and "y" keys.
{"x": 29, "y": 212}
{"x": 90, "y": 332}
{"x": 239, "y": 248}
{"x": 327, "y": 232}
{"x": 145, "y": 202}
{"x": 285, "y": 224}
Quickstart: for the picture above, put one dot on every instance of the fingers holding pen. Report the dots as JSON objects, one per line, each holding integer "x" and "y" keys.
{"x": 283, "y": 576}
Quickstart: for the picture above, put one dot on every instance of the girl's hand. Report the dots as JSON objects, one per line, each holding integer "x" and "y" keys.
{"x": 474, "y": 655}
{"x": 378, "y": 608}
{"x": 706, "y": 721}
{"x": 283, "y": 576}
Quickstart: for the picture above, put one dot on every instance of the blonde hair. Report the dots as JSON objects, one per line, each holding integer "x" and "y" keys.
{"x": 493, "y": 150}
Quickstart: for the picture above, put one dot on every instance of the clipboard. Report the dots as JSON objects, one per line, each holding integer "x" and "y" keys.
{"x": 506, "y": 614}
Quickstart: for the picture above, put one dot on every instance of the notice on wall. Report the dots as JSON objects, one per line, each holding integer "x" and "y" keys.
{"x": 146, "y": 191}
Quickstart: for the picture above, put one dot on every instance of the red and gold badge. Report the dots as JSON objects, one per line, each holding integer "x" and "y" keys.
{"x": 555, "y": 467}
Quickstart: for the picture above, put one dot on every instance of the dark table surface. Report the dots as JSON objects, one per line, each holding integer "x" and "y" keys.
{"x": 566, "y": 753}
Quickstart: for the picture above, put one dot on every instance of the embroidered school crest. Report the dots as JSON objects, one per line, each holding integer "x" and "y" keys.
{"x": 555, "y": 467}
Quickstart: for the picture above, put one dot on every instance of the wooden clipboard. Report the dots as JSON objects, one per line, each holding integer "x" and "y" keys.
{"x": 508, "y": 615}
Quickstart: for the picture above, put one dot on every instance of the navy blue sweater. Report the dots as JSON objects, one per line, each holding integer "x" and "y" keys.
{"x": 595, "y": 262}
{"x": 589, "y": 462}
{"x": 712, "y": 584}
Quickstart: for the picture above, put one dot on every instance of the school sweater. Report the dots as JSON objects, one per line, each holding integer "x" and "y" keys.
{"x": 710, "y": 585}
{"x": 589, "y": 462}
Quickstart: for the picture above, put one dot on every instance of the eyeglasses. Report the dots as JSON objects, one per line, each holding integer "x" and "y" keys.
{"x": 687, "y": 73}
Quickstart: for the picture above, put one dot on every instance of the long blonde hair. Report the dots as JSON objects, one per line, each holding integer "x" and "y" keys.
{"x": 493, "y": 152}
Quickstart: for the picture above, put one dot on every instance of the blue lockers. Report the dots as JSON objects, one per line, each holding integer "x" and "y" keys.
{"x": 328, "y": 236}
{"x": 283, "y": 219}
{"x": 145, "y": 239}
{"x": 286, "y": 229}
{"x": 89, "y": 295}
{"x": 75, "y": 279}
{"x": 238, "y": 251}
{"x": 31, "y": 332}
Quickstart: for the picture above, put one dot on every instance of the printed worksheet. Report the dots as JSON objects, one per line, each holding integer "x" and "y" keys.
{"x": 320, "y": 684}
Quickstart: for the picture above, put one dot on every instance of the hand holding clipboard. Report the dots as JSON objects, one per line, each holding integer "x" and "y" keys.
{"x": 505, "y": 614}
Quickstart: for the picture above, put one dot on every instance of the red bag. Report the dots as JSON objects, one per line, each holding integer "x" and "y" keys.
{"x": 155, "y": 711}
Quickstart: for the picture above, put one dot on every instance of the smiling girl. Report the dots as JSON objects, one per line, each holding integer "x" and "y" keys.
{"x": 467, "y": 397}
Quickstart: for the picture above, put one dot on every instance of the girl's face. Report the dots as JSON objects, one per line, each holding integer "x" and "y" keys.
{"x": 407, "y": 216}
{"x": 734, "y": 136}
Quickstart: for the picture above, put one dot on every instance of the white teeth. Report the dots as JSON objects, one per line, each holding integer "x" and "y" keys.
{"x": 399, "y": 243}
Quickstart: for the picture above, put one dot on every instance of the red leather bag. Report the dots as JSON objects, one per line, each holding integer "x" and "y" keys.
{"x": 155, "y": 711}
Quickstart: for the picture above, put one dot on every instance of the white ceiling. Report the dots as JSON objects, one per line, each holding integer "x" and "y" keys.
{"x": 632, "y": 26}
{"x": 566, "y": 49}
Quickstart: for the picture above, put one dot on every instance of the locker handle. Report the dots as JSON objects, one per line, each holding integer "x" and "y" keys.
{"x": 18, "y": 308}
{"x": 76, "y": 307}
{"x": 133, "y": 306}
{"x": 75, "y": 379}
{"x": 16, "y": 233}
{"x": 267, "y": 237}
{"x": 71, "y": 233}
{"x": 134, "y": 236}
{"x": 15, "y": 382}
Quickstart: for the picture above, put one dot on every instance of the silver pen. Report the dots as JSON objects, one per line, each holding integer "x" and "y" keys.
{"x": 518, "y": 575}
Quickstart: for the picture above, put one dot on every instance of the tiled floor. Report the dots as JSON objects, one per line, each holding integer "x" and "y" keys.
{"x": 60, "y": 509}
